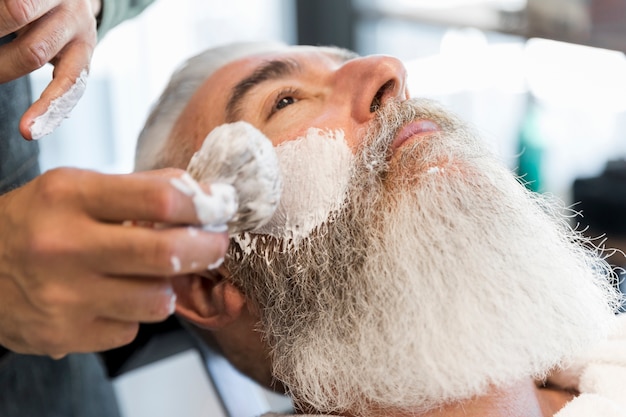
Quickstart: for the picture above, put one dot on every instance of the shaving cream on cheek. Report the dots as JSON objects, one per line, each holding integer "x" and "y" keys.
{"x": 59, "y": 109}
{"x": 316, "y": 171}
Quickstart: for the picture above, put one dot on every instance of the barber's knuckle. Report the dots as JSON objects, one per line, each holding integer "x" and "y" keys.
{"x": 52, "y": 300}
{"x": 21, "y": 12}
{"x": 51, "y": 244}
{"x": 82, "y": 18}
{"x": 57, "y": 184}
{"x": 36, "y": 54}
{"x": 44, "y": 246}
{"x": 47, "y": 236}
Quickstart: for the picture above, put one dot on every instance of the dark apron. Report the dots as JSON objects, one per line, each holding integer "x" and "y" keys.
{"x": 18, "y": 157}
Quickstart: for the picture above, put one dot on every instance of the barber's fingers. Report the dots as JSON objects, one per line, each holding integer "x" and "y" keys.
{"x": 109, "y": 334}
{"x": 15, "y": 14}
{"x": 69, "y": 80}
{"x": 140, "y": 196}
{"x": 67, "y": 43}
{"x": 131, "y": 299}
{"x": 142, "y": 251}
{"x": 44, "y": 39}
{"x": 94, "y": 336}
{"x": 62, "y": 33}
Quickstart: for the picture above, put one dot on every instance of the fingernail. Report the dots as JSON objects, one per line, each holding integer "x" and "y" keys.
{"x": 215, "y": 228}
{"x": 58, "y": 356}
{"x": 216, "y": 264}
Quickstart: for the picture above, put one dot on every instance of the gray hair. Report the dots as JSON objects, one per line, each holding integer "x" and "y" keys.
{"x": 182, "y": 86}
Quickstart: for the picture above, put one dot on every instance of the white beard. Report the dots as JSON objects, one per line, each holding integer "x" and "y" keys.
{"x": 440, "y": 277}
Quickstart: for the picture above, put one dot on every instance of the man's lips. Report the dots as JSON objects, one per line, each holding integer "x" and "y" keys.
{"x": 417, "y": 128}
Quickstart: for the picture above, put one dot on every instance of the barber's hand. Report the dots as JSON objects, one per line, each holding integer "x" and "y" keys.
{"x": 62, "y": 32}
{"x": 75, "y": 276}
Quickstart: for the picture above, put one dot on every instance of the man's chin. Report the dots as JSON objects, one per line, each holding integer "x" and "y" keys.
{"x": 487, "y": 272}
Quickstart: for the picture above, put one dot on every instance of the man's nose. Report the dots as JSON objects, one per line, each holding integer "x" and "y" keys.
{"x": 370, "y": 82}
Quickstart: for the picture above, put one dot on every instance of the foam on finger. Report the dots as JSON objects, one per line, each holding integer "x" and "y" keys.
{"x": 59, "y": 109}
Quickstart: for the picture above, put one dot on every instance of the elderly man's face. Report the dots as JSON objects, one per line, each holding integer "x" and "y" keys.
{"x": 284, "y": 94}
{"x": 418, "y": 288}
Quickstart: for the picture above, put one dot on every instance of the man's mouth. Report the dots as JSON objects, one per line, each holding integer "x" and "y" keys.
{"x": 415, "y": 129}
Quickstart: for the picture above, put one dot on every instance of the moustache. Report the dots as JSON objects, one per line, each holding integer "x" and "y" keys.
{"x": 377, "y": 149}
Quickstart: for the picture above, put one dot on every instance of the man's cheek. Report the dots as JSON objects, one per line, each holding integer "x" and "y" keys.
{"x": 316, "y": 170}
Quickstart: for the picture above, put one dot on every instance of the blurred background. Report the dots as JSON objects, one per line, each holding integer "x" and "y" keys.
{"x": 543, "y": 80}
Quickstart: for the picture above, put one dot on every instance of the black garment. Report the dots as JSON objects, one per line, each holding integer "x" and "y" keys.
{"x": 38, "y": 386}
{"x": 18, "y": 157}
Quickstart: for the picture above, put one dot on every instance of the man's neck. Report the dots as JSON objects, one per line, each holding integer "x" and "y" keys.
{"x": 523, "y": 399}
{"x": 518, "y": 400}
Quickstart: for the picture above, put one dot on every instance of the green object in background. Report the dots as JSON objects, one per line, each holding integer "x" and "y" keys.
{"x": 531, "y": 148}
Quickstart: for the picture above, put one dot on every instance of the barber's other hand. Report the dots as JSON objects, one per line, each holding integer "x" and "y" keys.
{"x": 62, "y": 32}
{"x": 75, "y": 277}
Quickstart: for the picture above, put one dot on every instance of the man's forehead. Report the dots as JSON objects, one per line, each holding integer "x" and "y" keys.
{"x": 250, "y": 62}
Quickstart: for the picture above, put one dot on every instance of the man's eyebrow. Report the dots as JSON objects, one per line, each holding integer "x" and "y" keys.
{"x": 268, "y": 71}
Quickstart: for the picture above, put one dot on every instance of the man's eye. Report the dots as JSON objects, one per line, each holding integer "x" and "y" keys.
{"x": 284, "y": 102}
{"x": 284, "y": 98}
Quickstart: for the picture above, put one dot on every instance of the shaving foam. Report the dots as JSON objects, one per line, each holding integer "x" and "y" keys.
{"x": 213, "y": 210}
{"x": 59, "y": 109}
{"x": 242, "y": 156}
{"x": 216, "y": 264}
{"x": 316, "y": 171}
{"x": 175, "y": 261}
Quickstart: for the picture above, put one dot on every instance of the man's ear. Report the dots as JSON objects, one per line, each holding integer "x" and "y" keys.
{"x": 209, "y": 301}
